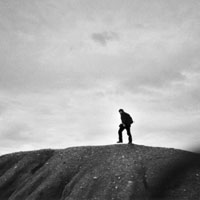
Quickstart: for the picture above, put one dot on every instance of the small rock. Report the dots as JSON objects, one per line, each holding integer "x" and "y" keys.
{"x": 130, "y": 182}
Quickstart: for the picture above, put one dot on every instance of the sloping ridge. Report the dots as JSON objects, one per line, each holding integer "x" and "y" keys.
{"x": 100, "y": 173}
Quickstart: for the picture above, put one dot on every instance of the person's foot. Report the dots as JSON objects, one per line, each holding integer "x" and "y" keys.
{"x": 119, "y": 142}
{"x": 130, "y": 143}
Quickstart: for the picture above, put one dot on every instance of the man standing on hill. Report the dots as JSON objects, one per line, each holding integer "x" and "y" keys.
{"x": 126, "y": 124}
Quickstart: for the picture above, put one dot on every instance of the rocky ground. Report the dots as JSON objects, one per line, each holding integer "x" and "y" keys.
{"x": 118, "y": 172}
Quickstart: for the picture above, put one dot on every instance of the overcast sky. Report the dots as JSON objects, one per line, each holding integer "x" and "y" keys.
{"x": 67, "y": 66}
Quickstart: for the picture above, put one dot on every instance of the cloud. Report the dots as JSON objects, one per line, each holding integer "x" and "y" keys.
{"x": 35, "y": 51}
{"x": 16, "y": 132}
{"x": 105, "y": 37}
{"x": 54, "y": 119}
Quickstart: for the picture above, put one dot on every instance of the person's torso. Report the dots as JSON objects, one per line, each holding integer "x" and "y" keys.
{"x": 126, "y": 118}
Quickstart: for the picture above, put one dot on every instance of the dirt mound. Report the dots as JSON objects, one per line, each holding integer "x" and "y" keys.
{"x": 100, "y": 172}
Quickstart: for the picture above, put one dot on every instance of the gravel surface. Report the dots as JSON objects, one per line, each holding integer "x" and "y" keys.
{"x": 112, "y": 172}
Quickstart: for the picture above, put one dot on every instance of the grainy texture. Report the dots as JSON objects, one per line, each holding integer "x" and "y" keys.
{"x": 100, "y": 173}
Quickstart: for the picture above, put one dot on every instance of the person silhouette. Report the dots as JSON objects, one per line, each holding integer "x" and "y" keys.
{"x": 126, "y": 120}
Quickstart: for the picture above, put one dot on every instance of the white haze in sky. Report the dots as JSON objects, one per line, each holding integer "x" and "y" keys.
{"x": 67, "y": 66}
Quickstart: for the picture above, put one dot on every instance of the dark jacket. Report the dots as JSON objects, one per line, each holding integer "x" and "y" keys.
{"x": 126, "y": 119}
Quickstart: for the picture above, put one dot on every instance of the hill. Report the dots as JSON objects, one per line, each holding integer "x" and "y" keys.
{"x": 112, "y": 172}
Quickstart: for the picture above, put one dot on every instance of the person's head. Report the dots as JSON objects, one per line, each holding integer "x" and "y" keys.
{"x": 121, "y": 111}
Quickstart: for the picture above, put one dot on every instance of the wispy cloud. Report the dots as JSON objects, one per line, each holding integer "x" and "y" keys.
{"x": 104, "y": 37}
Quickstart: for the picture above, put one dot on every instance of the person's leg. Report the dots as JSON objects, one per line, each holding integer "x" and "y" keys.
{"x": 128, "y": 128}
{"x": 121, "y": 128}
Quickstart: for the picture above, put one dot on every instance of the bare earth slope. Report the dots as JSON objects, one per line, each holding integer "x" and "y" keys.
{"x": 118, "y": 172}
